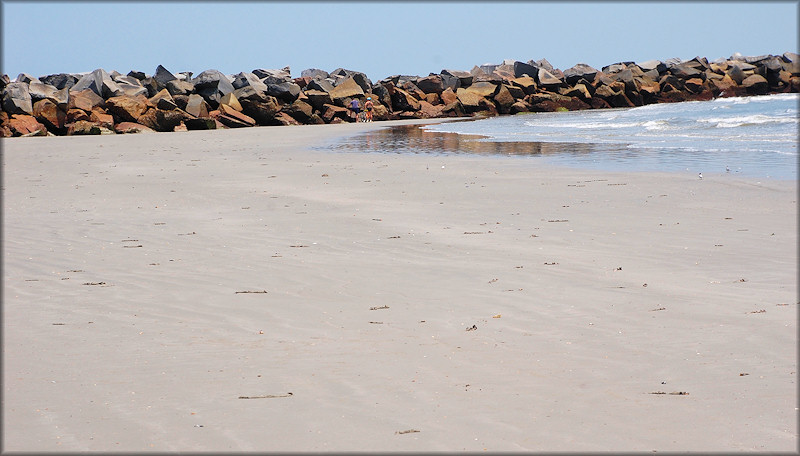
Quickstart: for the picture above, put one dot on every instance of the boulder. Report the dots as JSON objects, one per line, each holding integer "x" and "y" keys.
{"x": 26, "y": 78}
{"x": 526, "y": 83}
{"x": 756, "y": 84}
{"x": 83, "y": 127}
{"x": 275, "y": 76}
{"x": 403, "y": 101}
{"x": 17, "y": 98}
{"x": 179, "y": 87}
{"x": 299, "y": 110}
{"x": 651, "y": 65}
{"x": 323, "y": 85}
{"x": 245, "y": 79}
{"x": 132, "y": 127}
{"x": 137, "y": 74}
{"x": 694, "y": 85}
{"x": 450, "y": 82}
{"x": 503, "y": 99}
{"x": 314, "y": 73}
{"x": 283, "y": 118}
{"x": 579, "y": 90}
{"x": 525, "y": 69}
{"x": 542, "y": 63}
{"x": 197, "y": 106}
{"x": 470, "y": 100}
{"x": 205, "y": 123}
{"x": 229, "y": 99}
{"x": 99, "y": 82}
{"x": 518, "y": 107}
{"x": 74, "y": 115}
{"x": 331, "y": 112}
{"x": 448, "y": 96}
{"x": 24, "y": 124}
{"x": 101, "y": 118}
{"x": 580, "y": 71}
{"x": 261, "y": 110}
{"x": 163, "y": 100}
{"x": 318, "y": 98}
{"x": 125, "y": 108}
{"x": 431, "y": 84}
{"x": 515, "y": 91}
{"x": 132, "y": 90}
{"x": 484, "y": 89}
{"x": 429, "y": 111}
{"x": 212, "y": 85}
{"x": 348, "y": 88}
{"x": 60, "y": 80}
{"x": 684, "y": 71}
{"x": 736, "y": 73}
{"x": 163, "y": 76}
{"x": 50, "y": 115}
{"x": 285, "y": 91}
{"x": 547, "y": 80}
{"x": 464, "y": 78}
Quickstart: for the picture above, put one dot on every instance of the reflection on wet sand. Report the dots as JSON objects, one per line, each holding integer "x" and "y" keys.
{"x": 413, "y": 139}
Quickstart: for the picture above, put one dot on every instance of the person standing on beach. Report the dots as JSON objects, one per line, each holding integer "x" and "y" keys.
{"x": 368, "y": 108}
{"x": 355, "y": 107}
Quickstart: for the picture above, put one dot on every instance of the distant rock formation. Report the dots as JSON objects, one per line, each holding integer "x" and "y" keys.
{"x": 100, "y": 102}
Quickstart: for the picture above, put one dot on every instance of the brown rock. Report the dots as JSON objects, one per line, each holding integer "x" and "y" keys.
{"x": 483, "y": 89}
{"x": 233, "y": 118}
{"x": 83, "y": 127}
{"x": 431, "y": 84}
{"x": 49, "y": 114}
{"x": 526, "y": 83}
{"x": 471, "y": 101}
{"x": 448, "y": 96}
{"x": 132, "y": 127}
{"x": 231, "y": 100}
{"x": 694, "y": 85}
{"x": 85, "y": 100}
{"x": 403, "y": 101}
{"x": 503, "y": 99}
{"x": 299, "y": 110}
{"x": 74, "y": 115}
{"x": 125, "y": 108}
{"x": 263, "y": 112}
{"x": 163, "y": 100}
{"x": 101, "y": 118}
{"x": 429, "y": 111}
{"x": 23, "y": 124}
{"x": 318, "y": 98}
{"x": 348, "y": 88}
{"x": 331, "y": 112}
{"x": 756, "y": 84}
{"x": 519, "y": 106}
{"x": 285, "y": 119}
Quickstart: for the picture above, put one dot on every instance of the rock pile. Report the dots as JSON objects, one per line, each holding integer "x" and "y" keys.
{"x": 108, "y": 103}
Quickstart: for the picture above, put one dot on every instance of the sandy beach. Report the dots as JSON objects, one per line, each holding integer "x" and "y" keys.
{"x": 247, "y": 290}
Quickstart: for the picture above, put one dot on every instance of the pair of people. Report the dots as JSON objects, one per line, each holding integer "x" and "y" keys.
{"x": 355, "y": 109}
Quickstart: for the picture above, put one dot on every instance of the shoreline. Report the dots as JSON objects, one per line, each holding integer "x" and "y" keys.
{"x": 387, "y": 302}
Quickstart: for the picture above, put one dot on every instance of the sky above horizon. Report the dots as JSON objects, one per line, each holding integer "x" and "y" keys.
{"x": 380, "y": 39}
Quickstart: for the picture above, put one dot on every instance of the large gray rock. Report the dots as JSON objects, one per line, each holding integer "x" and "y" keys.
{"x": 179, "y": 87}
{"x": 464, "y": 77}
{"x": 578, "y": 72}
{"x": 547, "y": 80}
{"x": 650, "y": 65}
{"x": 274, "y": 76}
{"x": 41, "y": 91}
{"x": 17, "y": 99}
{"x": 99, "y": 82}
{"x": 314, "y": 73}
{"x": 26, "y": 78}
{"x": 212, "y": 85}
{"x": 285, "y": 91}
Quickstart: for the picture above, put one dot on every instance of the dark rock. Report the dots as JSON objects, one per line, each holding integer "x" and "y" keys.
{"x": 547, "y": 80}
{"x": 756, "y": 84}
{"x": 212, "y": 85}
{"x": 83, "y": 127}
{"x": 348, "y": 88}
{"x": 245, "y": 79}
{"x": 60, "y": 80}
{"x": 26, "y": 78}
{"x": 684, "y": 71}
{"x": 736, "y": 73}
{"x": 283, "y": 118}
{"x": 518, "y": 107}
{"x": 137, "y": 74}
{"x": 542, "y": 63}
{"x": 299, "y": 110}
{"x": 381, "y": 95}
{"x": 403, "y": 101}
{"x": 332, "y": 112}
{"x": 450, "y": 82}
{"x": 323, "y": 85}
{"x": 163, "y": 76}
{"x": 503, "y": 99}
{"x": 40, "y": 91}
{"x": 431, "y": 84}
{"x": 464, "y": 78}
{"x": 205, "y": 123}
{"x": 653, "y": 65}
{"x": 522, "y": 69}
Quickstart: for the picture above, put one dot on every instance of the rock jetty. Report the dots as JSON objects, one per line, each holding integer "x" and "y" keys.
{"x": 102, "y": 102}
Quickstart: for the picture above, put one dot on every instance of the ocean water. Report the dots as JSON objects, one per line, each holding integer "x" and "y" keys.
{"x": 749, "y": 136}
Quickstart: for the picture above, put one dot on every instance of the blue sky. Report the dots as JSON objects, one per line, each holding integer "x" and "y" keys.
{"x": 379, "y": 38}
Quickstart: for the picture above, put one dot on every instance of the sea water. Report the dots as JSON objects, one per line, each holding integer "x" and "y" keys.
{"x": 750, "y": 136}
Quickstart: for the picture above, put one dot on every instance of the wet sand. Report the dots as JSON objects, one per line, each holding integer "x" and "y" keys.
{"x": 239, "y": 290}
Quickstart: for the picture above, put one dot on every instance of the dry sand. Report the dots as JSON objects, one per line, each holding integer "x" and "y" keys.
{"x": 236, "y": 290}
